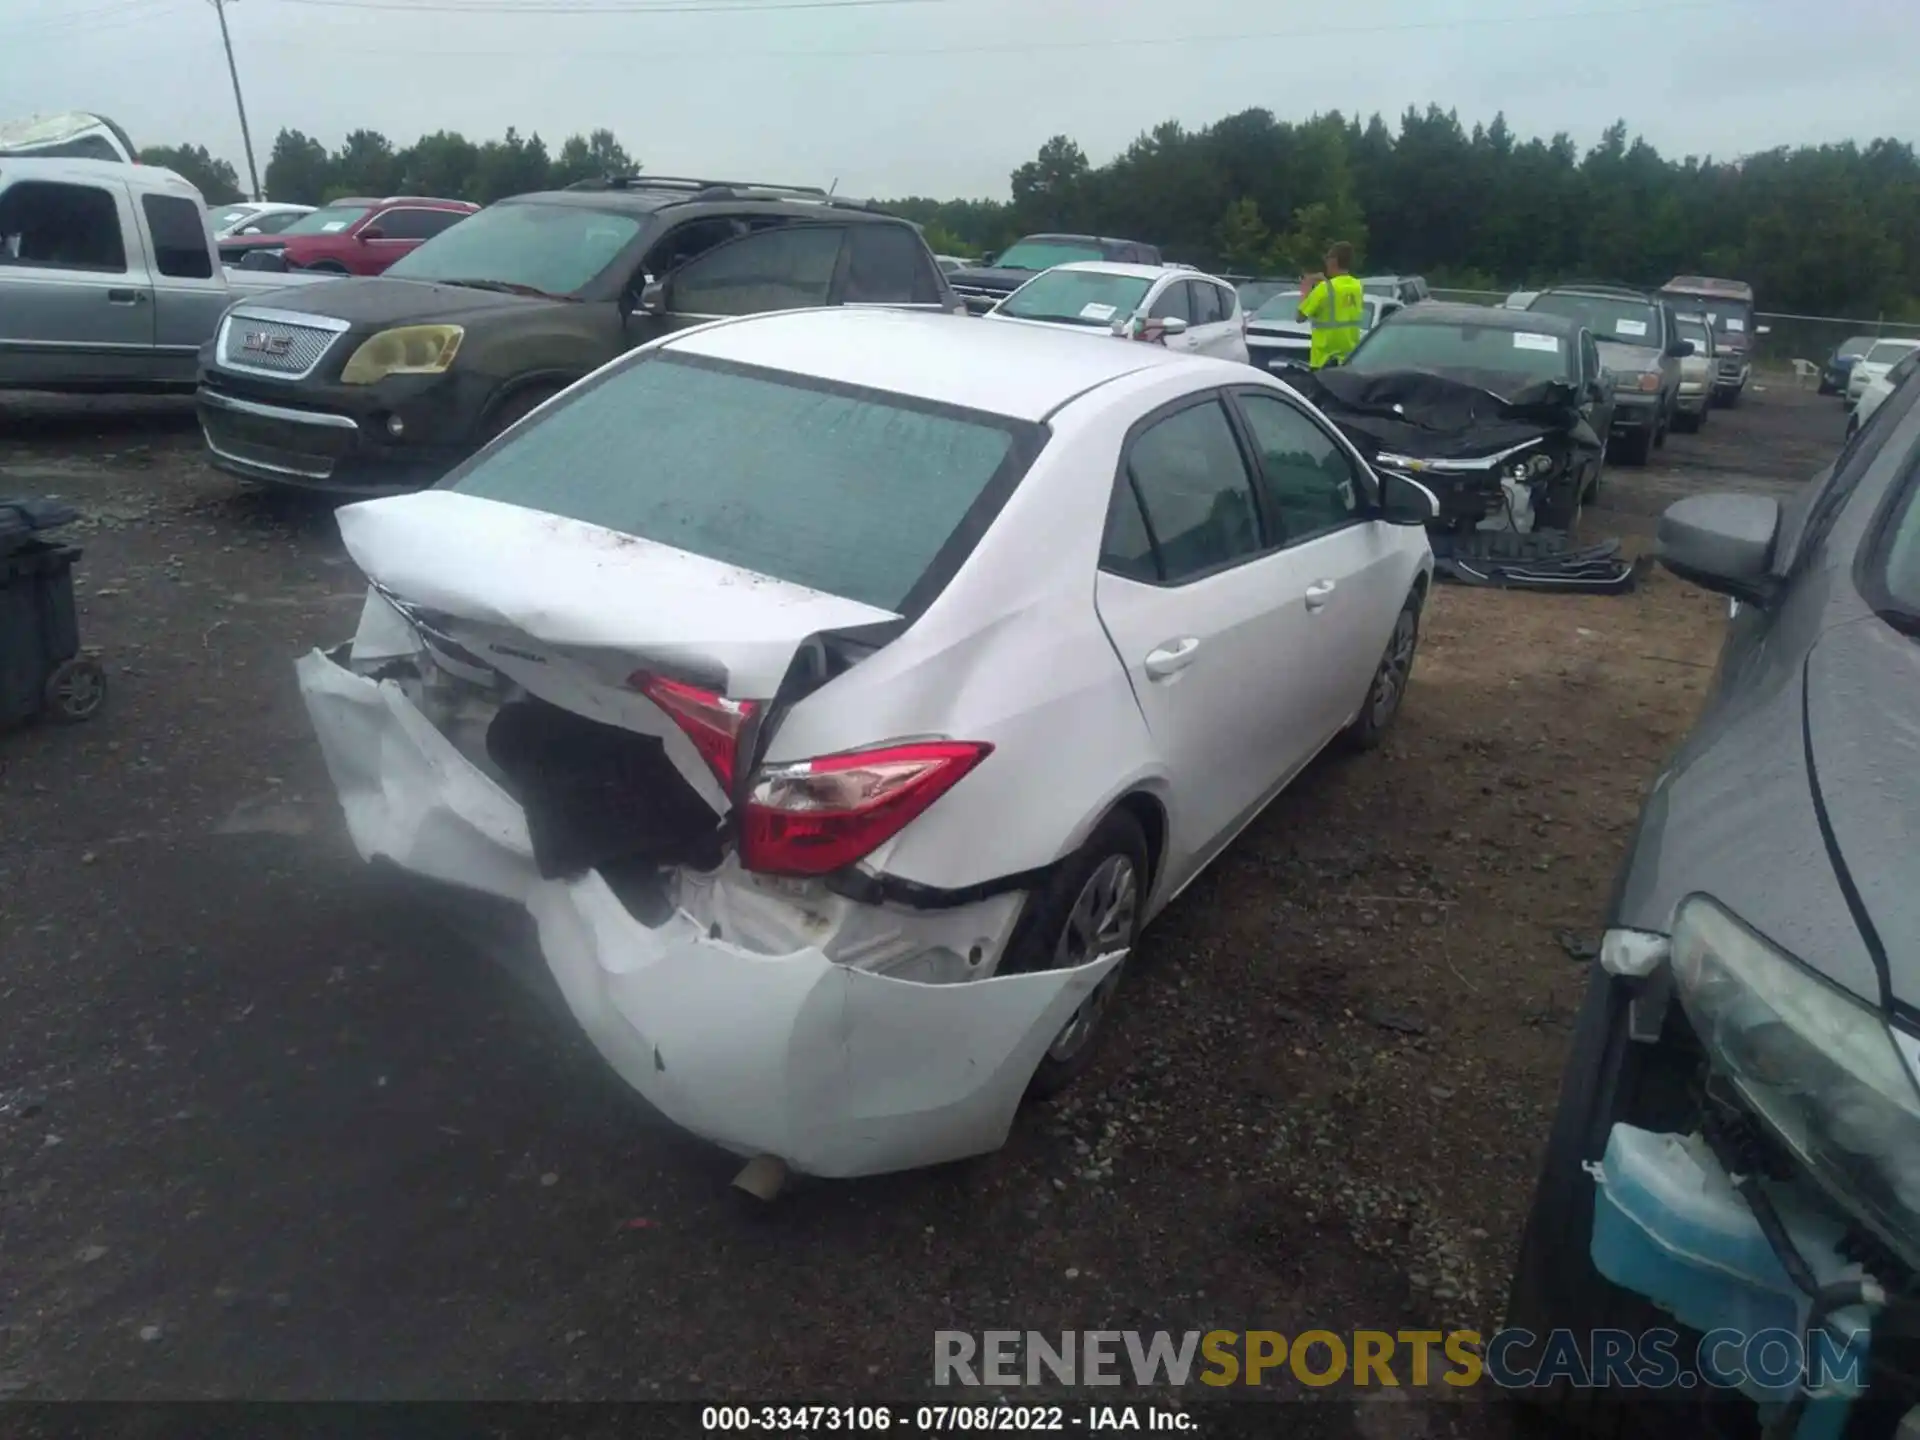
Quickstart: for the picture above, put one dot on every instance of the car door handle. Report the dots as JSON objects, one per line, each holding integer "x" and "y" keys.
{"x": 1171, "y": 657}
{"x": 1318, "y": 594}
{"x": 126, "y": 297}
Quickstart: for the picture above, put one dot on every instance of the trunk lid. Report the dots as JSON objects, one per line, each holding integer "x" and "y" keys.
{"x": 581, "y": 617}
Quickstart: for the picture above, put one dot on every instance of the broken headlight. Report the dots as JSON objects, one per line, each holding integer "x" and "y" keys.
{"x": 1817, "y": 1065}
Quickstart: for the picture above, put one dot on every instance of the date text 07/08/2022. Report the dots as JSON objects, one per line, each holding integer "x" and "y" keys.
{"x": 939, "y": 1419}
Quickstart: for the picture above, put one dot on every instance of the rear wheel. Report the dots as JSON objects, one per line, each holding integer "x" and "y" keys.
{"x": 1091, "y": 907}
{"x": 327, "y": 267}
{"x": 1733, "y": 396}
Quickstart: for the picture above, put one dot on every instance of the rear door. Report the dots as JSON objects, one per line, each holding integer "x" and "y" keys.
{"x": 888, "y": 265}
{"x": 189, "y": 291}
{"x": 1208, "y": 619}
{"x": 76, "y": 301}
{"x": 1340, "y": 565}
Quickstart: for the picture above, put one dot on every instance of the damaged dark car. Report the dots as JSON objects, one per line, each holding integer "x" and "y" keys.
{"x": 1735, "y": 1163}
{"x": 1500, "y": 413}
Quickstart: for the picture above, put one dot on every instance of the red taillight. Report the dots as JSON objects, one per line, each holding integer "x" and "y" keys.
{"x": 712, "y": 722}
{"x": 818, "y": 816}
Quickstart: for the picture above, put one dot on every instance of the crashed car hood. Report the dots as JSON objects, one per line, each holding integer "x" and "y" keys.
{"x": 993, "y": 279}
{"x": 382, "y": 300}
{"x": 1288, "y": 329}
{"x": 542, "y": 593}
{"x": 1434, "y": 417}
{"x": 1863, "y": 729}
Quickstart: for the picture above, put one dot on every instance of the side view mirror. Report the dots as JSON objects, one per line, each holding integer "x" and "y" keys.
{"x": 985, "y": 262}
{"x": 1406, "y": 502}
{"x": 1722, "y": 542}
{"x": 1680, "y": 349}
{"x": 372, "y": 232}
{"x": 1173, "y": 325}
{"x": 264, "y": 260}
{"x": 653, "y": 298}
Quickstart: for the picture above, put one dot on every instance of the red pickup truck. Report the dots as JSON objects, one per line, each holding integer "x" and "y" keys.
{"x": 355, "y": 236}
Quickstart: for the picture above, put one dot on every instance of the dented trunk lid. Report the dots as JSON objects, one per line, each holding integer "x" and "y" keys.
{"x": 575, "y": 615}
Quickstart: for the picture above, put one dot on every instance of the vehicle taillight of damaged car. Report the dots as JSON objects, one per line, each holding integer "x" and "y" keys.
{"x": 809, "y": 683}
{"x": 1494, "y": 411}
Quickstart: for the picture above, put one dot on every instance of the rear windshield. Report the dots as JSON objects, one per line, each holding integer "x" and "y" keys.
{"x": 1885, "y": 352}
{"x": 848, "y": 491}
{"x": 1728, "y": 317}
{"x": 1492, "y": 357}
{"x": 555, "y": 249}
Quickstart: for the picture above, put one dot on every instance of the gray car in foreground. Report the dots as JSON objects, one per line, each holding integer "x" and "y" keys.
{"x": 1731, "y": 1190}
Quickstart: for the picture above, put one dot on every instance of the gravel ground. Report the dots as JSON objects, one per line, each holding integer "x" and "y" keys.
{"x": 268, "y": 1130}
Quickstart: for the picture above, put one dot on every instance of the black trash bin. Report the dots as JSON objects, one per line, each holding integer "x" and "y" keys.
{"x": 42, "y": 672}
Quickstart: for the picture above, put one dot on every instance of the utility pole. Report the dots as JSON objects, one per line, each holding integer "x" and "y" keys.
{"x": 246, "y": 135}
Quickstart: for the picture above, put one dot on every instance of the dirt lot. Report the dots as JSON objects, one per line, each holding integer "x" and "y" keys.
{"x": 267, "y": 1131}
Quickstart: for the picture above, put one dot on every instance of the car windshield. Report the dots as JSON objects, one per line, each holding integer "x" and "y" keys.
{"x": 1728, "y": 317}
{"x": 554, "y": 249}
{"x": 1077, "y": 297}
{"x": 1281, "y": 307}
{"x": 1255, "y": 294}
{"x": 1696, "y": 331}
{"x": 328, "y": 220}
{"x": 231, "y": 216}
{"x": 1493, "y": 357}
{"x": 1631, "y": 322}
{"x": 844, "y": 490}
{"x": 1885, "y": 352}
{"x": 1045, "y": 254}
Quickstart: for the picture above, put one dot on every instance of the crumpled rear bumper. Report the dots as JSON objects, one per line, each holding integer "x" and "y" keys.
{"x": 836, "y": 1071}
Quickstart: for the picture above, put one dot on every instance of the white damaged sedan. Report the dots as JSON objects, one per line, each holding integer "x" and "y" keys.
{"x": 841, "y": 691}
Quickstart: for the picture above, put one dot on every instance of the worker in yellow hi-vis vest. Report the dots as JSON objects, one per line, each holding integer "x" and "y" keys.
{"x": 1332, "y": 303}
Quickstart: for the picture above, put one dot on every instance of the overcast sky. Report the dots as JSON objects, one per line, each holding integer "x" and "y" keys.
{"x": 945, "y": 97}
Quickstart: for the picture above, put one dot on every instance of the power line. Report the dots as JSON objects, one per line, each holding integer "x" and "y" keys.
{"x": 67, "y": 22}
{"x": 531, "y": 7}
{"x": 1028, "y": 46}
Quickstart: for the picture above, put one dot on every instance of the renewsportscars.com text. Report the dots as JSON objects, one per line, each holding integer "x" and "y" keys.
{"x": 1388, "y": 1359}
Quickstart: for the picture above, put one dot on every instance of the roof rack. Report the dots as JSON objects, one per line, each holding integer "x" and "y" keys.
{"x": 1601, "y": 287}
{"x": 687, "y": 189}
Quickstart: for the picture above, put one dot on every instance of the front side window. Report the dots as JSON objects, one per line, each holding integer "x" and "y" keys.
{"x": 1630, "y": 322}
{"x": 554, "y": 249}
{"x": 1195, "y": 498}
{"x": 1695, "y": 330}
{"x": 415, "y": 224}
{"x": 179, "y": 239}
{"x": 61, "y": 227}
{"x": 848, "y": 491}
{"x": 1094, "y": 298}
{"x": 1306, "y": 479}
{"x": 790, "y": 268}
{"x": 328, "y": 220}
{"x": 1174, "y": 303}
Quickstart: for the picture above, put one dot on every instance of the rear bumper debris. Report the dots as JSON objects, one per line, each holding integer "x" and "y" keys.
{"x": 836, "y": 1071}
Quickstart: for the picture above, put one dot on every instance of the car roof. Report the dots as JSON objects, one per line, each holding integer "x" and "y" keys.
{"x": 1490, "y": 317}
{"x": 141, "y": 177}
{"x": 1086, "y": 239}
{"x": 1136, "y": 272}
{"x": 1022, "y": 371}
{"x": 372, "y": 200}
{"x": 621, "y": 200}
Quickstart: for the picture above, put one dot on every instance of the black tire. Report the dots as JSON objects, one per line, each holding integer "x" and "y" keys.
{"x": 515, "y": 408}
{"x": 326, "y": 267}
{"x": 1663, "y": 422}
{"x": 1388, "y": 692}
{"x": 1636, "y": 446}
{"x": 1609, "y": 1078}
{"x": 75, "y": 691}
{"x": 1685, "y": 422}
{"x": 1053, "y": 934}
{"x": 1733, "y": 397}
{"x": 1560, "y": 508}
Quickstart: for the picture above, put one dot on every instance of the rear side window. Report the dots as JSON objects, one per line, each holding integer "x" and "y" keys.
{"x": 848, "y": 491}
{"x": 1193, "y": 500}
{"x": 179, "y": 240}
{"x": 1206, "y": 303}
{"x": 61, "y": 227}
{"x": 790, "y": 268}
{"x": 414, "y": 224}
{"x": 888, "y": 265}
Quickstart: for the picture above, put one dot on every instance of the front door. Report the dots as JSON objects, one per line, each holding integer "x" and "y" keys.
{"x": 76, "y": 302}
{"x": 1210, "y": 622}
{"x": 189, "y": 292}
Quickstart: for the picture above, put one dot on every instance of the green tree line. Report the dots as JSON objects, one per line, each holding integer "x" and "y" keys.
{"x": 302, "y": 171}
{"x": 1829, "y": 229}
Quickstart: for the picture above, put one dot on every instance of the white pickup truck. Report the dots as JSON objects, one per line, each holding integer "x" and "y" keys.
{"x": 109, "y": 279}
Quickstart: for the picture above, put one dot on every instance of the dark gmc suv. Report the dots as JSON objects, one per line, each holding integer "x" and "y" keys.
{"x": 369, "y": 386}
{"x": 985, "y": 285}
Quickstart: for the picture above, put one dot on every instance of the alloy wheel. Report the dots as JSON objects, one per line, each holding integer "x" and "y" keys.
{"x": 1102, "y": 919}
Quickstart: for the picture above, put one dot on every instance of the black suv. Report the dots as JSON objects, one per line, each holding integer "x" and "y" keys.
{"x": 373, "y": 385}
{"x": 985, "y": 285}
